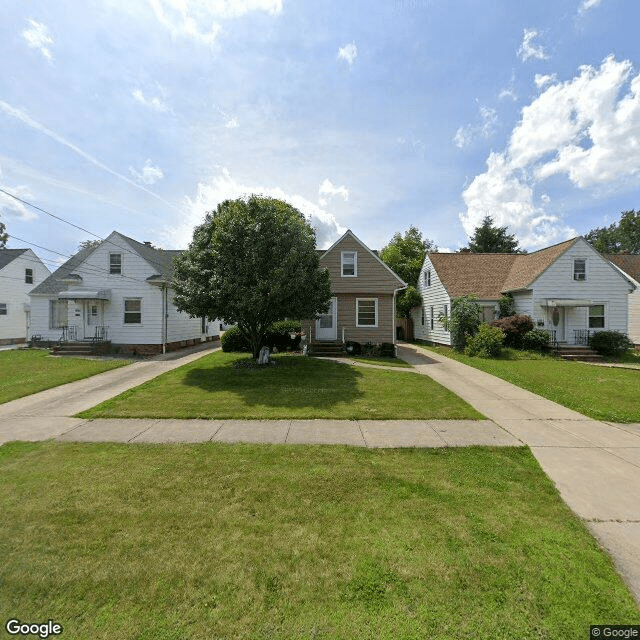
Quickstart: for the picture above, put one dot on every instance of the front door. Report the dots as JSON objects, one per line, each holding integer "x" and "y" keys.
{"x": 557, "y": 322}
{"x": 327, "y": 323}
{"x": 91, "y": 317}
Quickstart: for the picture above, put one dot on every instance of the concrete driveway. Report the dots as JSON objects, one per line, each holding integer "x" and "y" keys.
{"x": 595, "y": 465}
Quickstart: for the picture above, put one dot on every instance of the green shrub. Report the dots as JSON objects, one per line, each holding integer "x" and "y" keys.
{"x": 279, "y": 335}
{"x": 536, "y": 340}
{"x": 233, "y": 340}
{"x": 486, "y": 343}
{"x": 515, "y": 328}
{"x": 387, "y": 350}
{"x": 506, "y": 306}
{"x": 353, "y": 348}
{"x": 463, "y": 321}
{"x": 610, "y": 343}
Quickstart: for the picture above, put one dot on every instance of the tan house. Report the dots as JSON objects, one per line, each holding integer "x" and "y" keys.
{"x": 363, "y": 292}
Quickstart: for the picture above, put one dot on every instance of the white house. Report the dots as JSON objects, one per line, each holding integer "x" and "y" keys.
{"x": 568, "y": 289}
{"x": 629, "y": 264}
{"x": 20, "y": 271}
{"x": 118, "y": 292}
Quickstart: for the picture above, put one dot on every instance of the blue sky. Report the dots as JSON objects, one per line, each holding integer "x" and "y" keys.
{"x": 140, "y": 116}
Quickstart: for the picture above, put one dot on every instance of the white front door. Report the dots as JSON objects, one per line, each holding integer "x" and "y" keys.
{"x": 91, "y": 317}
{"x": 327, "y": 323}
{"x": 556, "y": 316}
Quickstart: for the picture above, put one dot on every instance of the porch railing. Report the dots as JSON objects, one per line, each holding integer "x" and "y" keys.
{"x": 581, "y": 336}
{"x": 69, "y": 333}
{"x": 100, "y": 334}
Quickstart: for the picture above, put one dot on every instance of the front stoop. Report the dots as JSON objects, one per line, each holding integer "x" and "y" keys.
{"x": 326, "y": 349}
{"x": 578, "y": 353}
{"x": 81, "y": 348}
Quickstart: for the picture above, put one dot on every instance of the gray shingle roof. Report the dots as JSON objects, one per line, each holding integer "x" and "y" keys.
{"x": 159, "y": 259}
{"x": 9, "y": 255}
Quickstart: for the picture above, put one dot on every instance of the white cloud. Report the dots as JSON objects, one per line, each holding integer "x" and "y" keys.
{"x": 585, "y": 5}
{"x": 587, "y": 128}
{"x": 327, "y": 188}
{"x": 10, "y": 206}
{"x": 26, "y": 119}
{"x": 38, "y": 37}
{"x": 230, "y": 122}
{"x": 198, "y": 19}
{"x": 528, "y": 49}
{"x": 543, "y": 81}
{"x": 150, "y": 173}
{"x": 484, "y": 128}
{"x": 156, "y": 103}
{"x": 349, "y": 53}
{"x": 224, "y": 187}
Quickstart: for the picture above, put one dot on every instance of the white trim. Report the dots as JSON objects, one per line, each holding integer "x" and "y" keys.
{"x": 115, "y": 253}
{"x": 605, "y": 316}
{"x": 334, "y": 319}
{"x": 124, "y": 312}
{"x": 355, "y": 264}
{"x": 586, "y": 270}
{"x": 367, "y": 326}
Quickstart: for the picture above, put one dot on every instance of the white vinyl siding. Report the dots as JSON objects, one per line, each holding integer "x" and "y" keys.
{"x": 604, "y": 285}
{"x": 366, "y": 312}
{"x": 349, "y": 264}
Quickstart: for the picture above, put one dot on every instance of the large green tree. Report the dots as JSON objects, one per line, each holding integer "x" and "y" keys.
{"x": 405, "y": 255}
{"x": 4, "y": 236}
{"x": 619, "y": 237}
{"x": 252, "y": 262}
{"x": 488, "y": 238}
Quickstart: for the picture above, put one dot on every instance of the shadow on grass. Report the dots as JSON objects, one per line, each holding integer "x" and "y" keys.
{"x": 293, "y": 382}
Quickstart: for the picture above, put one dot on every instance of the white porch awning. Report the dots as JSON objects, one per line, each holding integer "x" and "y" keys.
{"x": 102, "y": 294}
{"x": 561, "y": 302}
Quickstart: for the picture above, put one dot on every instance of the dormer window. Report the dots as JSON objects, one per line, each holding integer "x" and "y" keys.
{"x": 580, "y": 269}
{"x": 349, "y": 264}
{"x": 115, "y": 263}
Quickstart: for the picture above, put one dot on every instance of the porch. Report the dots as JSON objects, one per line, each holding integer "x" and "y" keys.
{"x": 69, "y": 344}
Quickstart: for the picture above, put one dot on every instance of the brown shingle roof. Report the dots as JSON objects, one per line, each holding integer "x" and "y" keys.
{"x": 489, "y": 275}
{"x": 628, "y": 262}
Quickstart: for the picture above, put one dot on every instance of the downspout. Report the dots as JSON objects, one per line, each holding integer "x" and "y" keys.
{"x": 165, "y": 313}
{"x": 393, "y": 311}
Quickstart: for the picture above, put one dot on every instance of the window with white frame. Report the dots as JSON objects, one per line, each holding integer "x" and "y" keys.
{"x": 579, "y": 269}
{"x": 366, "y": 312}
{"x": 3, "y": 309}
{"x": 596, "y": 316}
{"x": 133, "y": 311}
{"x": 58, "y": 314}
{"x": 445, "y": 313}
{"x": 28, "y": 276}
{"x": 115, "y": 263}
{"x": 427, "y": 278}
{"x": 349, "y": 264}
{"x": 431, "y": 318}
{"x": 422, "y": 317}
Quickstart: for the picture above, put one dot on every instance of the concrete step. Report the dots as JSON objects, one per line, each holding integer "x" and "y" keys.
{"x": 578, "y": 353}
{"x": 326, "y": 349}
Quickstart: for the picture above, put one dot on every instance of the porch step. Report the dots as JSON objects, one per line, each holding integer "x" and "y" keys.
{"x": 578, "y": 353}
{"x": 330, "y": 349}
{"x": 84, "y": 348}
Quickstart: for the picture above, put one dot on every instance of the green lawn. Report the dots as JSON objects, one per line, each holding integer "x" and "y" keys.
{"x": 603, "y": 393}
{"x": 296, "y": 387}
{"x": 23, "y": 372}
{"x": 167, "y": 542}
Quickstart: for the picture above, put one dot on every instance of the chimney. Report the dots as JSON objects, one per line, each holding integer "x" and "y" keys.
{"x": 147, "y": 243}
